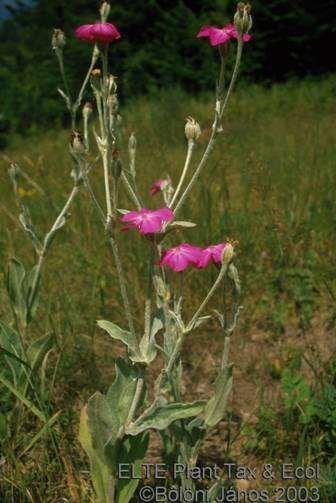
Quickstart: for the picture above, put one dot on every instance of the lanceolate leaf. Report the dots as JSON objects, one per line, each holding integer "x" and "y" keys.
{"x": 161, "y": 417}
{"x": 120, "y": 335}
{"x": 121, "y": 393}
{"x": 132, "y": 451}
{"x": 216, "y": 406}
{"x": 100, "y": 472}
{"x": 16, "y": 288}
{"x": 103, "y": 429}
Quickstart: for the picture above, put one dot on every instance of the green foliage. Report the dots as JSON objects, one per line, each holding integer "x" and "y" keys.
{"x": 301, "y": 425}
{"x": 158, "y": 49}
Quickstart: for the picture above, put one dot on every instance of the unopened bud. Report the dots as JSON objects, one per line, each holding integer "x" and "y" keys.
{"x": 87, "y": 110}
{"x": 58, "y": 40}
{"x": 104, "y": 11}
{"x": 228, "y": 253}
{"x": 132, "y": 143}
{"x": 192, "y": 129}
{"x": 112, "y": 84}
{"x": 95, "y": 79}
{"x": 116, "y": 164}
{"x": 76, "y": 142}
{"x": 113, "y": 103}
{"x": 243, "y": 18}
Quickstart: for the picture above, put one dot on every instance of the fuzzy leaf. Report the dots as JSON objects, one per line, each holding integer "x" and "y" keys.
{"x": 182, "y": 223}
{"x": 100, "y": 473}
{"x": 121, "y": 393}
{"x": 132, "y": 451}
{"x": 120, "y": 335}
{"x": 216, "y": 406}
{"x": 160, "y": 417}
{"x": 17, "y": 289}
{"x": 102, "y": 426}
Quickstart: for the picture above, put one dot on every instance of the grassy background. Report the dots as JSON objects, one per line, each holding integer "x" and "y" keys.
{"x": 271, "y": 185}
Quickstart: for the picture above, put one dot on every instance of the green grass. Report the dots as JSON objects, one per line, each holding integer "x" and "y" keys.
{"x": 271, "y": 185}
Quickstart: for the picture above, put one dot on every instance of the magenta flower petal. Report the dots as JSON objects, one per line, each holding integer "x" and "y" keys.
{"x": 147, "y": 221}
{"x": 157, "y": 186}
{"x": 179, "y": 257}
{"x": 212, "y": 253}
{"x": 166, "y": 214}
{"x": 220, "y": 36}
{"x": 98, "y": 32}
{"x": 84, "y": 32}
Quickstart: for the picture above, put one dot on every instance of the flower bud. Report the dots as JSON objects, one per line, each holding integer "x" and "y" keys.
{"x": 192, "y": 129}
{"x": 95, "y": 79}
{"x": 77, "y": 143}
{"x": 58, "y": 40}
{"x": 243, "y": 18}
{"x": 132, "y": 143}
{"x": 113, "y": 103}
{"x": 116, "y": 164}
{"x": 87, "y": 110}
{"x": 104, "y": 10}
{"x": 112, "y": 84}
{"x": 228, "y": 253}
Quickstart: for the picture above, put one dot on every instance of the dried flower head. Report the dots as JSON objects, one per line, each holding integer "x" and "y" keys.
{"x": 77, "y": 142}
{"x": 87, "y": 110}
{"x": 58, "y": 39}
{"x": 192, "y": 129}
{"x": 104, "y": 10}
{"x": 243, "y": 18}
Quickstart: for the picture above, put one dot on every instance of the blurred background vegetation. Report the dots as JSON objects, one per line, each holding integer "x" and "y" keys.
{"x": 158, "y": 49}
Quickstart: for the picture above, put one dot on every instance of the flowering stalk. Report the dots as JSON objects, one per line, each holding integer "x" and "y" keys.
{"x": 191, "y": 146}
{"x": 219, "y": 111}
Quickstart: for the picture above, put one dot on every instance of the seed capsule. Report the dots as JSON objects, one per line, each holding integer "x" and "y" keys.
{"x": 58, "y": 39}
{"x": 192, "y": 129}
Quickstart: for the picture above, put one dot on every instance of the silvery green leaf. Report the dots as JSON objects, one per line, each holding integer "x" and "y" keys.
{"x": 122, "y": 211}
{"x": 102, "y": 425}
{"x": 100, "y": 472}
{"x": 32, "y": 296}
{"x": 16, "y": 288}
{"x": 11, "y": 343}
{"x": 233, "y": 274}
{"x": 216, "y": 406}
{"x": 120, "y": 335}
{"x": 133, "y": 450}
{"x": 182, "y": 223}
{"x": 160, "y": 417}
{"x": 26, "y": 223}
{"x": 121, "y": 393}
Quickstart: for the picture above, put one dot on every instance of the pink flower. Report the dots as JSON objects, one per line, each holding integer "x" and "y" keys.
{"x": 157, "y": 186}
{"x": 211, "y": 253}
{"x": 148, "y": 221}
{"x": 218, "y": 36}
{"x": 98, "y": 32}
{"x": 181, "y": 256}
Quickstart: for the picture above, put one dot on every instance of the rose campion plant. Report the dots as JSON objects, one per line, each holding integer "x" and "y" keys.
{"x": 115, "y": 426}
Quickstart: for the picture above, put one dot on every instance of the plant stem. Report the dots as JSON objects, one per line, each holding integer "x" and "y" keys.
{"x": 212, "y": 290}
{"x": 46, "y": 243}
{"x": 131, "y": 191}
{"x": 218, "y": 116}
{"x": 122, "y": 284}
{"x": 191, "y": 146}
